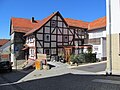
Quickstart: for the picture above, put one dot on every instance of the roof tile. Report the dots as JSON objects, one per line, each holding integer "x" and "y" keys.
{"x": 76, "y": 23}
{"x": 3, "y": 41}
{"x": 99, "y": 23}
{"x": 42, "y": 22}
{"x": 23, "y": 25}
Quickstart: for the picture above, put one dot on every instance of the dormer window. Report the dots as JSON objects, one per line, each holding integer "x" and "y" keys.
{"x": 53, "y": 23}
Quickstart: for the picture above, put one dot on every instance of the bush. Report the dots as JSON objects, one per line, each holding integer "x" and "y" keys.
{"x": 83, "y": 58}
{"x": 89, "y": 57}
{"x": 77, "y": 58}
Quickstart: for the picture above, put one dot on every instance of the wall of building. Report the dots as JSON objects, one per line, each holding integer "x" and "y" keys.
{"x": 99, "y": 42}
{"x": 17, "y": 44}
{"x": 58, "y": 37}
{"x": 12, "y": 47}
{"x": 115, "y": 30}
{"x": 30, "y": 42}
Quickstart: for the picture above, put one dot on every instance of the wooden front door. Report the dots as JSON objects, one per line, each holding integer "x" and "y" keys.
{"x": 68, "y": 52}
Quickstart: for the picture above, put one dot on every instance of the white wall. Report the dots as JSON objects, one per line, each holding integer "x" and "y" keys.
{"x": 30, "y": 42}
{"x": 12, "y": 48}
{"x": 32, "y": 54}
{"x": 99, "y": 49}
{"x": 97, "y": 34}
{"x": 115, "y": 16}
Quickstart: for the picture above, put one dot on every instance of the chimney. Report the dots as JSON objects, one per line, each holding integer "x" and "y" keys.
{"x": 32, "y": 20}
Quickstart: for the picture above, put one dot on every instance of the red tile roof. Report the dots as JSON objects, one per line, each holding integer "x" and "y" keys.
{"x": 3, "y": 41}
{"x": 99, "y": 23}
{"x": 42, "y": 22}
{"x": 23, "y": 25}
{"x": 27, "y": 26}
{"x": 76, "y": 23}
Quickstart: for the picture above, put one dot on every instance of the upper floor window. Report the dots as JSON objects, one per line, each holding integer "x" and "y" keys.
{"x": 95, "y": 41}
{"x": 31, "y": 39}
{"x": 66, "y": 38}
{"x": 53, "y": 23}
{"x": 47, "y": 37}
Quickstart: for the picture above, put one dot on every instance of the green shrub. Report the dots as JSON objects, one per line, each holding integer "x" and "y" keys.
{"x": 83, "y": 58}
{"x": 89, "y": 57}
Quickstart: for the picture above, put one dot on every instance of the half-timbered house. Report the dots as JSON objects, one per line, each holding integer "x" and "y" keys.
{"x": 55, "y": 35}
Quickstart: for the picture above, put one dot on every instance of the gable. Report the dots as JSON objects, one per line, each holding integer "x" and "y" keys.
{"x": 45, "y": 21}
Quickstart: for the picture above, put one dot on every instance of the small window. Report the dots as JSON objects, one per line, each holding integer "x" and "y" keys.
{"x": 32, "y": 52}
{"x": 53, "y": 23}
{"x": 31, "y": 39}
{"x": 47, "y": 37}
{"x": 66, "y": 38}
{"x": 47, "y": 51}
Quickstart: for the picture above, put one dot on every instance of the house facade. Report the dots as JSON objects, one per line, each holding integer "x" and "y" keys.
{"x": 97, "y": 37}
{"x": 54, "y": 36}
{"x": 113, "y": 36}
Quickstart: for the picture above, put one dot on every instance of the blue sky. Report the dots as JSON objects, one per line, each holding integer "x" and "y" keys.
{"x": 86, "y": 10}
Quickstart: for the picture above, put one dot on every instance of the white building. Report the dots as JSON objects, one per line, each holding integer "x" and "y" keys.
{"x": 97, "y": 37}
{"x": 113, "y": 36}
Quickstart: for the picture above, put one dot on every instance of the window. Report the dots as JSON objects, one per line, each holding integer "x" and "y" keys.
{"x": 31, "y": 39}
{"x": 32, "y": 52}
{"x": 53, "y": 23}
{"x": 66, "y": 38}
{"x": 47, "y": 37}
{"x": 95, "y": 48}
{"x": 47, "y": 51}
{"x": 96, "y": 41}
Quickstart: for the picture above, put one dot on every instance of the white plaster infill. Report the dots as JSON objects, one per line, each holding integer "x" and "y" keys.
{"x": 88, "y": 64}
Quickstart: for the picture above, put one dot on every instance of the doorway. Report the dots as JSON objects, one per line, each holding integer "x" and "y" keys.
{"x": 68, "y": 52}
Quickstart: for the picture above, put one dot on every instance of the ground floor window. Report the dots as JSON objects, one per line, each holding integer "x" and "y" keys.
{"x": 95, "y": 41}
{"x": 32, "y": 52}
{"x": 47, "y": 51}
